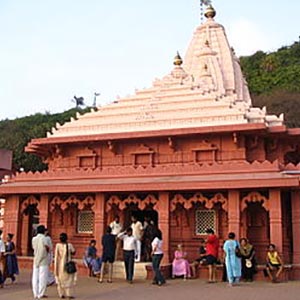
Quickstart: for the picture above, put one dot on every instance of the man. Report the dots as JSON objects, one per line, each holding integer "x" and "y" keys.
{"x": 129, "y": 250}
{"x": 2, "y": 251}
{"x": 40, "y": 263}
{"x": 116, "y": 228}
{"x": 212, "y": 250}
{"x": 51, "y": 279}
{"x": 137, "y": 232}
{"x": 108, "y": 255}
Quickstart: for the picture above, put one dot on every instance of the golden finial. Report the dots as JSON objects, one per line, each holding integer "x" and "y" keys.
{"x": 210, "y": 12}
{"x": 177, "y": 60}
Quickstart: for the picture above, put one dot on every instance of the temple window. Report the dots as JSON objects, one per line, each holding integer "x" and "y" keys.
{"x": 85, "y": 222}
{"x": 204, "y": 219}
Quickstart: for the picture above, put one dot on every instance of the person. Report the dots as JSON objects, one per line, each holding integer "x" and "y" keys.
{"x": 148, "y": 236}
{"x": 65, "y": 281}
{"x": 157, "y": 255}
{"x": 108, "y": 256}
{"x": 2, "y": 251}
{"x": 248, "y": 260}
{"x": 11, "y": 267}
{"x": 50, "y": 278}
{"x": 116, "y": 228}
{"x": 40, "y": 263}
{"x": 137, "y": 232}
{"x": 91, "y": 260}
{"x": 212, "y": 252}
{"x": 180, "y": 265}
{"x": 129, "y": 250}
{"x": 232, "y": 261}
{"x": 201, "y": 258}
{"x": 274, "y": 263}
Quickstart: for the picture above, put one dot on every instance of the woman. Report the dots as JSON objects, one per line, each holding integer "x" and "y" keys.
{"x": 232, "y": 261}
{"x": 91, "y": 260}
{"x": 64, "y": 280}
{"x": 248, "y": 260}
{"x": 157, "y": 255}
{"x": 11, "y": 267}
{"x": 180, "y": 265}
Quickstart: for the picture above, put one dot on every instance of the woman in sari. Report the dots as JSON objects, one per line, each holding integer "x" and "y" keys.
{"x": 180, "y": 265}
{"x": 248, "y": 260}
{"x": 91, "y": 260}
{"x": 232, "y": 261}
{"x": 11, "y": 267}
{"x": 65, "y": 281}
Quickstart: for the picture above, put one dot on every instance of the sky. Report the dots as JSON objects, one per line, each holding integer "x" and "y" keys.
{"x": 51, "y": 50}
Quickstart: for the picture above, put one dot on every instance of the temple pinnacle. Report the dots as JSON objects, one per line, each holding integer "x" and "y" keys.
{"x": 177, "y": 60}
{"x": 210, "y": 12}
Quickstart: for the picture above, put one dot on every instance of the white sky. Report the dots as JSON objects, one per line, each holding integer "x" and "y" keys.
{"x": 51, "y": 50}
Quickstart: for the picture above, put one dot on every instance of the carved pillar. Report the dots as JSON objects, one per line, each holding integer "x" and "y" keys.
{"x": 24, "y": 234}
{"x": 12, "y": 219}
{"x": 43, "y": 208}
{"x": 234, "y": 212}
{"x": 164, "y": 223}
{"x": 276, "y": 219}
{"x": 296, "y": 225}
{"x": 99, "y": 210}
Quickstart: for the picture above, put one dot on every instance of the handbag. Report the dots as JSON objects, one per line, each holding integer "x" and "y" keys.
{"x": 248, "y": 263}
{"x": 70, "y": 264}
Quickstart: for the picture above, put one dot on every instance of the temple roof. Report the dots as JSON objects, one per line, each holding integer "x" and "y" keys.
{"x": 207, "y": 89}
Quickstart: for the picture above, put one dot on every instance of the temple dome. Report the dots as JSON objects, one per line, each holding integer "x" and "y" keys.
{"x": 207, "y": 89}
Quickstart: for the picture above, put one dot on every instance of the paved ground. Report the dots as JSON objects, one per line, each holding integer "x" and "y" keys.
{"x": 88, "y": 288}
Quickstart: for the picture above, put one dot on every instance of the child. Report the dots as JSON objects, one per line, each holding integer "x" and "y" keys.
{"x": 274, "y": 263}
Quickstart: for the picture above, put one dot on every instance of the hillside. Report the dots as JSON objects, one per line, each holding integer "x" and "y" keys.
{"x": 273, "y": 78}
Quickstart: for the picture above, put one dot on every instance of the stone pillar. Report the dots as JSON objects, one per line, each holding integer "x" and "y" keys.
{"x": 12, "y": 218}
{"x": 234, "y": 212}
{"x": 99, "y": 211}
{"x": 296, "y": 226}
{"x": 276, "y": 219}
{"x": 164, "y": 223}
{"x": 43, "y": 208}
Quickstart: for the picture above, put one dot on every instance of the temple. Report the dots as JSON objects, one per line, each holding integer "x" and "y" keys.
{"x": 190, "y": 152}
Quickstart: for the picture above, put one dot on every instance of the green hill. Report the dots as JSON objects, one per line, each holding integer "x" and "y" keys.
{"x": 273, "y": 78}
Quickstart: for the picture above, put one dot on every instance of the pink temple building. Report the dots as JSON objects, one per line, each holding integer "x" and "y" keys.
{"x": 191, "y": 152}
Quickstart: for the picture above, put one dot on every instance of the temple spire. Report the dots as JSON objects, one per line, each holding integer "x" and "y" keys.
{"x": 202, "y": 3}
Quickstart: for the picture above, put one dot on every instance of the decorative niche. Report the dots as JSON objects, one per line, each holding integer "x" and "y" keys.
{"x": 87, "y": 159}
{"x": 143, "y": 156}
{"x": 205, "y": 152}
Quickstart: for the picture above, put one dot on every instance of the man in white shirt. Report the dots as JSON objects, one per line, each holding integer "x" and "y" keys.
{"x": 137, "y": 232}
{"x": 2, "y": 251}
{"x": 40, "y": 263}
{"x": 129, "y": 249}
{"x": 116, "y": 228}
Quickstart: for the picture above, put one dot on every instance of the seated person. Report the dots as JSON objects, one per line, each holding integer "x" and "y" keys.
{"x": 91, "y": 260}
{"x": 274, "y": 263}
{"x": 201, "y": 259}
{"x": 180, "y": 265}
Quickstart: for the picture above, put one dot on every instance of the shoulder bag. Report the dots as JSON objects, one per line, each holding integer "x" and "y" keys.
{"x": 70, "y": 264}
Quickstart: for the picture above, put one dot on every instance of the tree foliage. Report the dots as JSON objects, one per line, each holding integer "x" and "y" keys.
{"x": 16, "y": 134}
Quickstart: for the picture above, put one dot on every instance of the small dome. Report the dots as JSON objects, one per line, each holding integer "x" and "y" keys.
{"x": 177, "y": 60}
{"x": 210, "y": 12}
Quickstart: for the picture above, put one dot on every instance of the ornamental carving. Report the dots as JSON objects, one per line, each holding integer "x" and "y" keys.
{"x": 31, "y": 200}
{"x": 131, "y": 199}
{"x": 199, "y": 198}
{"x": 63, "y": 204}
{"x": 255, "y": 197}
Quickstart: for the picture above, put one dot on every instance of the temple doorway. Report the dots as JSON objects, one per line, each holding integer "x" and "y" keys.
{"x": 258, "y": 230}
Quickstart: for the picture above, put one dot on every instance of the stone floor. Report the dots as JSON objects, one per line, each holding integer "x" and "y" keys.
{"x": 88, "y": 288}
